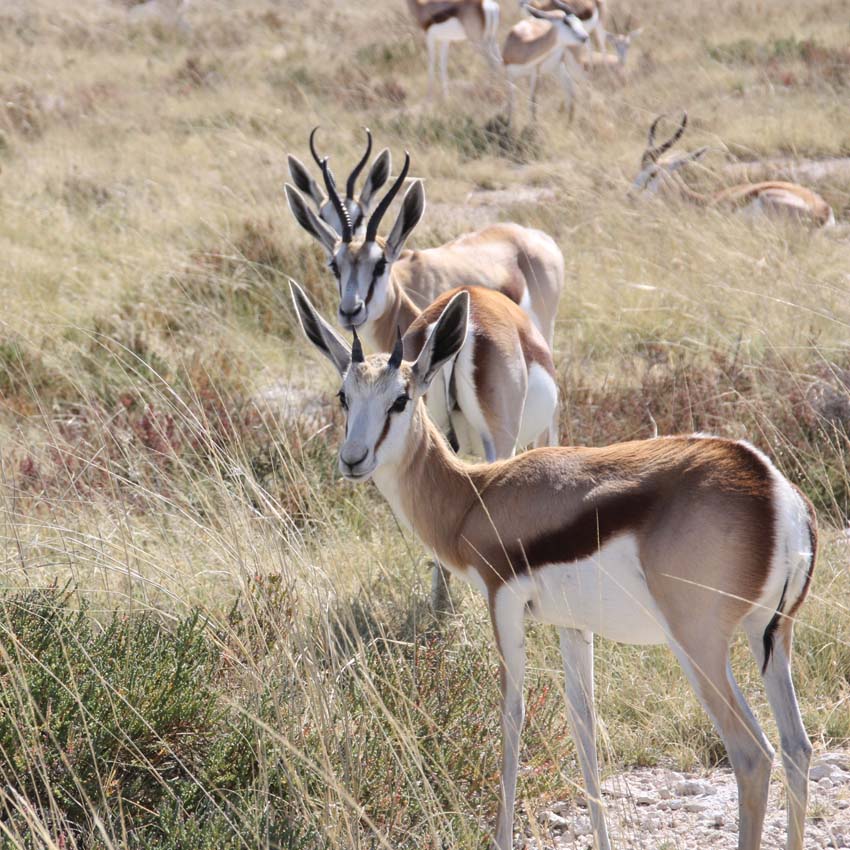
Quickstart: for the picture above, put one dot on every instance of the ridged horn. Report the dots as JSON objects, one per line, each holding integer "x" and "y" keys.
{"x": 352, "y": 178}
{"x": 381, "y": 209}
{"x": 313, "y": 146}
{"x": 339, "y": 206}
{"x": 651, "y": 153}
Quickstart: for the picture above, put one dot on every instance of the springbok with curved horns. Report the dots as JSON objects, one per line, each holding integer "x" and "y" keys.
{"x": 677, "y": 540}
{"x": 357, "y": 208}
{"x": 445, "y": 21}
{"x": 538, "y": 45}
{"x": 522, "y": 263}
{"x": 773, "y": 197}
{"x": 589, "y": 12}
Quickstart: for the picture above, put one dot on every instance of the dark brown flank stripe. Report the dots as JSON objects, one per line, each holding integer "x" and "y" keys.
{"x": 440, "y": 18}
{"x": 587, "y": 534}
{"x": 724, "y": 466}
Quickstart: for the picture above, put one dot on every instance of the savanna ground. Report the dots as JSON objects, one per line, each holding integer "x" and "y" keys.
{"x": 208, "y": 641}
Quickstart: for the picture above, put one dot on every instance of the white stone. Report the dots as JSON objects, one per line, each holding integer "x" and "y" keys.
{"x": 553, "y": 821}
{"x": 821, "y": 771}
{"x": 695, "y": 806}
{"x": 693, "y": 788}
{"x": 825, "y": 783}
{"x": 582, "y": 826}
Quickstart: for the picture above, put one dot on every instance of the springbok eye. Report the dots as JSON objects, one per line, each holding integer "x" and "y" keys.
{"x": 400, "y": 403}
{"x": 380, "y": 267}
{"x": 334, "y": 267}
{"x": 343, "y": 401}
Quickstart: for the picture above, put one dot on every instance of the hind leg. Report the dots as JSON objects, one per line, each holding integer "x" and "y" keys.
{"x": 796, "y": 748}
{"x": 704, "y": 659}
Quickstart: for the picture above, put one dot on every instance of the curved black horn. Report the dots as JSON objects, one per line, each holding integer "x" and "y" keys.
{"x": 339, "y": 206}
{"x": 313, "y": 146}
{"x": 651, "y": 154}
{"x": 352, "y": 178}
{"x": 375, "y": 220}
{"x": 356, "y": 349}
{"x": 398, "y": 352}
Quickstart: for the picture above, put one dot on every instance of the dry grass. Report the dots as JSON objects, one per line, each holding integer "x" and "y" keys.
{"x": 145, "y": 327}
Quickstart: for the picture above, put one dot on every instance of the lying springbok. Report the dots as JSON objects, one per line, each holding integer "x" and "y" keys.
{"x": 769, "y": 197}
{"x": 677, "y": 540}
{"x": 537, "y": 45}
{"x": 358, "y": 208}
{"x": 621, "y": 41}
{"x": 522, "y": 263}
{"x": 445, "y": 21}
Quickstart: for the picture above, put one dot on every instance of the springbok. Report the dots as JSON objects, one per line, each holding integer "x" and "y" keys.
{"x": 522, "y": 263}
{"x": 445, "y": 21}
{"x": 769, "y": 197}
{"x": 358, "y": 208}
{"x": 589, "y": 12}
{"x": 537, "y": 45}
{"x": 621, "y": 41}
{"x": 676, "y": 540}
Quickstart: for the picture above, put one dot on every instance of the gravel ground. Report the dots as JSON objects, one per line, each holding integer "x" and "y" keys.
{"x": 663, "y": 810}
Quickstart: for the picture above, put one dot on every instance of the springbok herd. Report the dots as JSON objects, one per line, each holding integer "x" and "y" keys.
{"x": 678, "y": 540}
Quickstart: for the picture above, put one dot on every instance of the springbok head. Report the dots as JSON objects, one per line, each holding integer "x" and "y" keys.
{"x": 379, "y": 393}
{"x": 362, "y": 266}
{"x": 357, "y": 207}
{"x": 655, "y": 173}
{"x": 570, "y": 29}
{"x": 621, "y": 38}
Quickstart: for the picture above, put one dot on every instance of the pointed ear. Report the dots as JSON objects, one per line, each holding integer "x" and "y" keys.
{"x": 444, "y": 341}
{"x": 318, "y": 331}
{"x": 412, "y": 209}
{"x": 693, "y": 156}
{"x": 303, "y": 181}
{"x": 378, "y": 174}
{"x": 320, "y": 231}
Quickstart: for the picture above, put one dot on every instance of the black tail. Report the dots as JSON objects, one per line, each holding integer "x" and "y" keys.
{"x": 772, "y": 626}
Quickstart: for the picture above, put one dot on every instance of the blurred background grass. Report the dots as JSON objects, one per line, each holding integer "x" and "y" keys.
{"x": 207, "y": 639}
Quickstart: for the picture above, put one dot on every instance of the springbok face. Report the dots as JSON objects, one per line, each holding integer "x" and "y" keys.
{"x": 379, "y": 393}
{"x": 621, "y": 43}
{"x": 362, "y": 267}
{"x": 571, "y": 30}
{"x": 654, "y": 174}
{"x": 356, "y": 208}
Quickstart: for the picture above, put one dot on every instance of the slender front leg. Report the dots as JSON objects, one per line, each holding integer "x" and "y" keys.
{"x": 507, "y": 609}
{"x": 533, "y": 96}
{"x": 432, "y": 62}
{"x": 569, "y": 90}
{"x": 444, "y": 66}
{"x": 577, "y": 653}
{"x": 441, "y": 597}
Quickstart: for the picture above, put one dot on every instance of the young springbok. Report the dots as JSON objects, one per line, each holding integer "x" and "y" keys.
{"x": 537, "y": 45}
{"x": 445, "y": 21}
{"x": 522, "y": 263}
{"x": 358, "y": 208}
{"x": 769, "y": 197}
{"x": 677, "y": 540}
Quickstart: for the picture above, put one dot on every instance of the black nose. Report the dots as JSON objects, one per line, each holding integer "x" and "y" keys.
{"x": 350, "y": 314}
{"x": 351, "y": 464}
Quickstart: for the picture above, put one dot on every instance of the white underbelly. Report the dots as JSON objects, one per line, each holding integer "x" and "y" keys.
{"x": 605, "y": 594}
{"x": 450, "y": 30}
